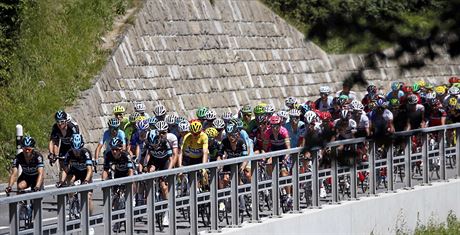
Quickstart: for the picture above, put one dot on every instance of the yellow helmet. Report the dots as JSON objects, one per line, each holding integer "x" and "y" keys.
{"x": 211, "y": 132}
{"x": 421, "y": 83}
{"x": 140, "y": 118}
{"x": 119, "y": 109}
{"x": 195, "y": 127}
{"x": 440, "y": 90}
{"x": 453, "y": 102}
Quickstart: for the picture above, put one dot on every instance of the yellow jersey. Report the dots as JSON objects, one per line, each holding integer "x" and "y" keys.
{"x": 193, "y": 145}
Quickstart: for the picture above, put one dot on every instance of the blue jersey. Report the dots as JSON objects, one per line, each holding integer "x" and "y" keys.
{"x": 106, "y": 138}
{"x": 295, "y": 136}
{"x": 244, "y": 135}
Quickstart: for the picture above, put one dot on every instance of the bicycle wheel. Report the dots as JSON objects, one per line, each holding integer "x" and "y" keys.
{"x": 159, "y": 219}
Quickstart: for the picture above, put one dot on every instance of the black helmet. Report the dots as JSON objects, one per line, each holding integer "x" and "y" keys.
{"x": 60, "y": 116}
{"x": 28, "y": 142}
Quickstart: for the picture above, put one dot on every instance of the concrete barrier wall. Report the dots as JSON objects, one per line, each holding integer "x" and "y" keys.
{"x": 189, "y": 53}
{"x": 387, "y": 213}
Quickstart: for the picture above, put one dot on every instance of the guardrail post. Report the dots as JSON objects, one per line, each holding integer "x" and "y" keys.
{"x": 107, "y": 197}
{"x": 275, "y": 186}
{"x": 255, "y": 191}
{"x": 38, "y": 215}
{"x": 442, "y": 154}
{"x": 14, "y": 218}
{"x": 408, "y": 162}
{"x": 295, "y": 182}
{"x": 172, "y": 204}
{"x": 372, "y": 171}
{"x": 457, "y": 151}
{"x": 214, "y": 200}
{"x": 335, "y": 179}
{"x": 61, "y": 229}
{"x": 425, "y": 162}
{"x": 192, "y": 202}
{"x": 353, "y": 179}
{"x": 129, "y": 216}
{"x": 234, "y": 195}
{"x": 151, "y": 189}
{"x": 84, "y": 213}
{"x": 390, "y": 153}
{"x": 315, "y": 178}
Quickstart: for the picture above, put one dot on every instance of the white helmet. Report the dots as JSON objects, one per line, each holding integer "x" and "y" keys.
{"x": 139, "y": 107}
{"x": 295, "y": 113}
{"x": 310, "y": 116}
{"x": 283, "y": 114}
{"x": 325, "y": 89}
{"x": 184, "y": 126}
{"x": 290, "y": 101}
{"x": 453, "y": 90}
{"x": 218, "y": 123}
{"x": 159, "y": 110}
{"x": 344, "y": 114}
{"x": 269, "y": 109}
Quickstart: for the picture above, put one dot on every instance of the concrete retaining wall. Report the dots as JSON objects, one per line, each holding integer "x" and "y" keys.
{"x": 388, "y": 213}
{"x": 189, "y": 53}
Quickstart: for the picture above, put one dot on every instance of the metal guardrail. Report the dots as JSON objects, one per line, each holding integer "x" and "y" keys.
{"x": 214, "y": 195}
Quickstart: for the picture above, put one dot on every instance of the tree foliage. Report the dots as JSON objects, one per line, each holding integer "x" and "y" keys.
{"x": 9, "y": 25}
{"x": 418, "y": 28}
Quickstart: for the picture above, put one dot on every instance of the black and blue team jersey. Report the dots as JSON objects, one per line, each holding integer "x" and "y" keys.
{"x": 57, "y": 135}
{"x": 160, "y": 149}
{"x": 241, "y": 149}
{"x": 122, "y": 164}
{"x": 29, "y": 167}
{"x": 79, "y": 163}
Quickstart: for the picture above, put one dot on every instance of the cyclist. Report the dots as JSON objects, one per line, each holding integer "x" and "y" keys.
{"x": 245, "y": 115}
{"x": 415, "y": 113}
{"x": 158, "y": 154}
{"x": 295, "y": 128}
{"x": 119, "y": 159}
{"x": 60, "y": 135}
{"x": 130, "y": 126}
{"x": 211, "y": 115}
{"x": 119, "y": 112}
{"x": 214, "y": 144}
{"x": 160, "y": 112}
{"x": 219, "y": 125}
{"x": 346, "y": 90}
{"x": 137, "y": 143}
{"x": 78, "y": 165}
{"x": 381, "y": 123}
{"x": 112, "y": 132}
{"x": 361, "y": 119}
{"x": 290, "y": 102}
{"x": 32, "y": 165}
{"x": 369, "y": 97}
{"x": 324, "y": 103}
{"x": 172, "y": 136}
{"x": 395, "y": 92}
{"x": 139, "y": 107}
{"x": 195, "y": 146}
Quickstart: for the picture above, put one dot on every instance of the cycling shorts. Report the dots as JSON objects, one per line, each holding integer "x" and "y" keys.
{"x": 31, "y": 180}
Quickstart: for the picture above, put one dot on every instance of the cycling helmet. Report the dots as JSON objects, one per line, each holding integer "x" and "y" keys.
{"x": 195, "y": 127}
{"x": 60, "y": 116}
{"x": 440, "y": 90}
{"x": 294, "y": 113}
{"x": 453, "y": 80}
{"x": 261, "y": 119}
{"x": 119, "y": 109}
{"x": 161, "y": 126}
{"x": 310, "y": 116}
{"x": 246, "y": 109}
{"x": 69, "y": 118}
{"x": 170, "y": 119}
{"x": 421, "y": 83}
{"x": 113, "y": 123}
{"x": 454, "y": 90}
{"x": 152, "y": 121}
{"x": 211, "y": 132}
{"x": 134, "y": 116}
{"x": 218, "y": 123}
{"x": 159, "y": 110}
{"x": 76, "y": 141}
{"x": 290, "y": 101}
{"x": 416, "y": 87}
{"x": 394, "y": 102}
{"x": 372, "y": 89}
{"x": 429, "y": 86}
{"x": 407, "y": 89}
{"x": 452, "y": 102}
{"x": 412, "y": 99}
{"x": 341, "y": 102}
{"x": 353, "y": 103}
{"x": 231, "y": 129}
{"x": 380, "y": 103}
{"x": 211, "y": 115}
{"x": 237, "y": 123}
{"x": 28, "y": 142}
{"x": 344, "y": 114}
{"x": 304, "y": 108}
{"x": 358, "y": 107}
{"x": 184, "y": 126}
{"x": 275, "y": 120}
{"x": 226, "y": 116}
{"x": 201, "y": 112}
{"x": 139, "y": 107}
{"x": 258, "y": 110}
{"x": 116, "y": 143}
{"x": 324, "y": 89}
{"x": 326, "y": 116}
{"x": 142, "y": 125}
{"x": 395, "y": 86}
{"x": 283, "y": 114}
{"x": 430, "y": 95}
{"x": 269, "y": 109}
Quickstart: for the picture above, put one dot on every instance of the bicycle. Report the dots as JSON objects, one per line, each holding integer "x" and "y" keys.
{"x": 25, "y": 210}
{"x": 118, "y": 203}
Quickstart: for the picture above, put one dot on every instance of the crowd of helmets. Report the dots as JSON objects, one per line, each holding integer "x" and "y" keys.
{"x": 419, "y": 92}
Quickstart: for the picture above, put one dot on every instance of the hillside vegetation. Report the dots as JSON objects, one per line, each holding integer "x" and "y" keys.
{"x": 49, "y": 52}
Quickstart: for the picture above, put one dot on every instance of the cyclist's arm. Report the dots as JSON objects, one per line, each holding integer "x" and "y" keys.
{"x": 244, "y": 153}
{"x": 423, "y": 123}
{"x": 13, "y": 176}
{"x": 175, "y": 153}
{"x": 205, "y": 149}
{"x": 98, "y": 150}
{"x": 41, "y": 173}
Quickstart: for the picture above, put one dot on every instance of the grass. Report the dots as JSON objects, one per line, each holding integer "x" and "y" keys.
{"x": 58, "y": 54}
{"x": 452, "y": 226}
